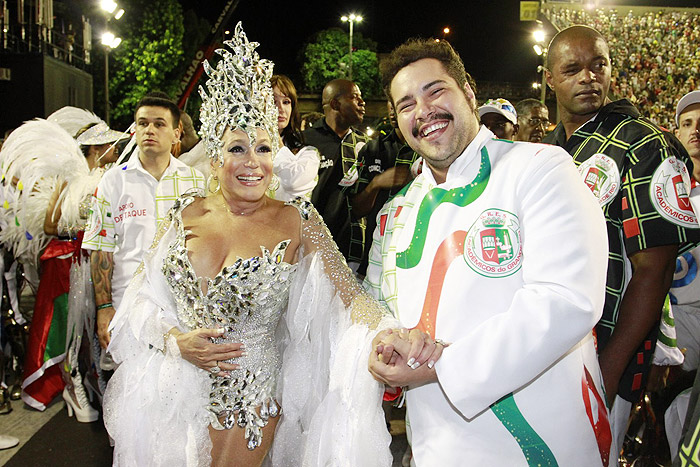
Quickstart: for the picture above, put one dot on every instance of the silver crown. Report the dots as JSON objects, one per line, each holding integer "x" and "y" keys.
{"x": 238, "y": 95}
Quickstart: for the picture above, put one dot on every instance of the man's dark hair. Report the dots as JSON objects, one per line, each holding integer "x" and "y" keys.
{"x": 417, "y": 49}
{"x": 160, "y": 99}
{"x": 525, "y": 106}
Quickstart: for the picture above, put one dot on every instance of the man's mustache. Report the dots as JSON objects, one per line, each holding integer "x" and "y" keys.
{"x": 439, "y": 116}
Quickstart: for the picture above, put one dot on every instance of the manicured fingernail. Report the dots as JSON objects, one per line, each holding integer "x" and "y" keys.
{"x": 431, "y": 364}
{"x": 221, "y": 330}
{"x": 410, "y": 362}
{"x": 415, "y": 365}
{"x": 244, "y": 354}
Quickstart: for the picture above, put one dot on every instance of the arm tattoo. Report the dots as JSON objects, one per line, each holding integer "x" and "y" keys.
{"x": 101, "y": 266}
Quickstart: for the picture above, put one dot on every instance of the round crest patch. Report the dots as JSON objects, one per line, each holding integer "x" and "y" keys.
{"x": 669, "y": 191}
{"x": 601, "y": 174}
{"x": 493, "y": 247}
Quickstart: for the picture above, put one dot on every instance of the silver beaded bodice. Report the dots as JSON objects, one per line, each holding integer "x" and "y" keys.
{"x": 247, "y": 299}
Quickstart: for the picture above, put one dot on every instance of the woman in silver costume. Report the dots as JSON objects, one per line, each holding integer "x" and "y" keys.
{"x": 244, "y": 329}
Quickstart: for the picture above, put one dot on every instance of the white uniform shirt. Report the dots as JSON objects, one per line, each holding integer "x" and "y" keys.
{"x": 129, "y": 204}
{"x": 295, "y": 174}
{"x": 510, "y": 270}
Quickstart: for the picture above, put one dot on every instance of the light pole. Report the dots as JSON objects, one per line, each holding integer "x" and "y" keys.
{"x": 541, "y": 49}
{"x": 352, "y": 18}
{"x": 110, "y": 41}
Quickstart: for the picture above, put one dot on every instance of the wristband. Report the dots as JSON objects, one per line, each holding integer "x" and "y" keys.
{"x": 104, "y": 305}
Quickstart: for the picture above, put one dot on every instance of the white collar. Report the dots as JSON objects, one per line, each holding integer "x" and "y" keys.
{"x": 134, "y": 163}
{"x": 587, "y": 121}
{"x": 462, "y": 166}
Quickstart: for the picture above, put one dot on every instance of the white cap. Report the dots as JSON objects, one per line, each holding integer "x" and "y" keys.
{"x": 693, "y": 97}
{"x": 500, "y": 106}
{"x": 99, "y": 134}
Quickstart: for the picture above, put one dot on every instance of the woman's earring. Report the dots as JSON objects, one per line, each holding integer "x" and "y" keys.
{"x": 213, "y": 178}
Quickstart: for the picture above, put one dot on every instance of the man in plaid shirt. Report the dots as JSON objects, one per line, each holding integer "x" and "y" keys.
{"x": 339, "y": 144}
{"x": 131, "y": 200}
{"x": 385, "y": 168}
{"x": 638, "y": 173}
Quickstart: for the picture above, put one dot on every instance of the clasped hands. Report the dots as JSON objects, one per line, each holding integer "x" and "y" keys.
{"x": 402, "y": 357}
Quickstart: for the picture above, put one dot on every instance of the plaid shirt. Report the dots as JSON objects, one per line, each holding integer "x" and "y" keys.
{"x": 377, "y": 156}
{"x": 619, "y": 155}
{"x": 128, "y": 205}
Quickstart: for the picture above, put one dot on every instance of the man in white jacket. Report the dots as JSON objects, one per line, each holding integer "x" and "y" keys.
{"x": 496, "y": 256}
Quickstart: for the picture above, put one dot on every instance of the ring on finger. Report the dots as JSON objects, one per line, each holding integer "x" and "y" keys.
{"x": 215, "y": 369}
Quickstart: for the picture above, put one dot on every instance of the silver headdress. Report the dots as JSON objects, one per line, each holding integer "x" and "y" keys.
{"x": 239, "y": 95}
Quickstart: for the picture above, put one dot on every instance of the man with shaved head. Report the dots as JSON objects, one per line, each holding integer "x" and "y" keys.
{"x": 339, "y": 143}
{"x": 638, "y": 174}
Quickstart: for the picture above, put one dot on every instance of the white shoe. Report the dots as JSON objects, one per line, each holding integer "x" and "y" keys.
{"x": 7, "y": 442}
{"x": 84, "y": 412}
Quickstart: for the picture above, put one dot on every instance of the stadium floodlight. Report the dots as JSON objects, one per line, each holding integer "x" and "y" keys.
{"x": 119, "y": 13}
{"x": 108, "y": 5}
{"x": 538, "y": 49}
{"x": 351, "y": 19}
{"x": 538, "y": 34}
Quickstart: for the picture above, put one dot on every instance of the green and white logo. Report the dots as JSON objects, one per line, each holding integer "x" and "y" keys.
{"x": 669, "y": 191}
{"x": 601, "y": 174}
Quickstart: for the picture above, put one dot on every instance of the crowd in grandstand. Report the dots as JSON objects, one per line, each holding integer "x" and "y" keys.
{"x": 655, "y": 54}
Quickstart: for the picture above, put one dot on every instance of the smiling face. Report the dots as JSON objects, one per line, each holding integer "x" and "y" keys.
{"x": 435, "y": 115}
{"x": 247, "y": 169}
{"x": 579, "y": 74}
{"x": 284, "y": 108}
{"x": 689, "y": 131}
{"x": 155, "y": 133}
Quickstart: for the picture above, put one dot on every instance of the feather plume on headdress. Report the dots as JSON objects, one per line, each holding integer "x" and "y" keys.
{"x": 238, "y": 95}
{"x": 72, "y": 119}
{"x": 35, "y": 160}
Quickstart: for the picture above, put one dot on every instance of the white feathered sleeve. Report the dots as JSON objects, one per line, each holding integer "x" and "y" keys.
{"x": 331, "y": 404}
{"x": 155, "y": 404}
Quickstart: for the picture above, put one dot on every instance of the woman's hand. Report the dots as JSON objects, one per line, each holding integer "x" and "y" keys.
{"x": 413, "y": 346}
{"x": 389, "y": 359}
{"x": 197, "y": 348}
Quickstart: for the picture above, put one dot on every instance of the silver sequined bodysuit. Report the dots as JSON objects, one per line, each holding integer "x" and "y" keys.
{"x": 248, "y": 299}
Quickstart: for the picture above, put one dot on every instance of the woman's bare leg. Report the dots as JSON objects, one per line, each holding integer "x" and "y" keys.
{"x": 230, "y": 447}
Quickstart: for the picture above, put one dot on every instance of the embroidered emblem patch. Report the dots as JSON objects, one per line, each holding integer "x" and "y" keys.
{"x": 669, "y": 191}
{"x": 601, "y": 174}
{"x": 95, "y": 228}
{"x": 493, "y": 247}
